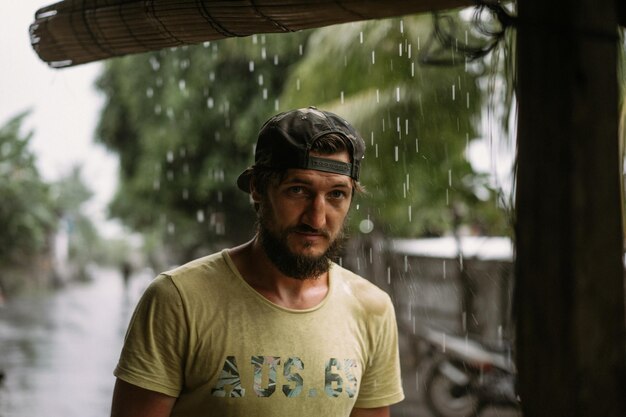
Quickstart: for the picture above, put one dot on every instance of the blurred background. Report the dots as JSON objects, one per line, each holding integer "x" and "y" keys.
{"x": 111, "y": 172}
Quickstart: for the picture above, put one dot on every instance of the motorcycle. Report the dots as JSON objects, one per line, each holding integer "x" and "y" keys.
{"x": 466, "y": 376}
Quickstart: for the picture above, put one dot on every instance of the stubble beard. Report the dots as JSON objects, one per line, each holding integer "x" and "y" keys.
{"x": 291, "y": 264}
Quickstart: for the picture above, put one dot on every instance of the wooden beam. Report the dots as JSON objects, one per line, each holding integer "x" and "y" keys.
{"x": 569, "y": 269}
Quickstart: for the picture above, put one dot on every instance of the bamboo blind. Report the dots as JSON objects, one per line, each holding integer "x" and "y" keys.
{"x": 73, "y": 32}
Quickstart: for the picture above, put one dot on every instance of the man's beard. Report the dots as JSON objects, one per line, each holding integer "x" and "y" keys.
{"x": 293, "y": 265}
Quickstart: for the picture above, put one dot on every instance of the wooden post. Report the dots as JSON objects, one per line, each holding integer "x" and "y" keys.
{"x": 569, "y": 269}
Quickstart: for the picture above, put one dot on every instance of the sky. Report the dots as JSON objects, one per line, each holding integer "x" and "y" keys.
{"x": 64, "y": 108}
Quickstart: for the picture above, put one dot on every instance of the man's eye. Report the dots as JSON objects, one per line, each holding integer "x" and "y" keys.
{"x": 337, "y": 194}
{"x": 296, "y": 189}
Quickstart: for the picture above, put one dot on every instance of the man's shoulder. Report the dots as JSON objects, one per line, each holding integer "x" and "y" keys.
{"x": 361, "y": 291}
{"x": 204, "y": 267}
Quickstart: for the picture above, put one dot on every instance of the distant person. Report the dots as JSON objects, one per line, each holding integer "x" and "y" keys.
{"x": 272, "y": 327}
{"x": 127, "y": 270}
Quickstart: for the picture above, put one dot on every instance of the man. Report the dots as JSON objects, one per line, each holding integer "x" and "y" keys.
{"x": 272, "y": 327}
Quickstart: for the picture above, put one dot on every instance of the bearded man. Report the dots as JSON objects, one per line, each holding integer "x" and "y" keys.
{"x": 272, "y": 327}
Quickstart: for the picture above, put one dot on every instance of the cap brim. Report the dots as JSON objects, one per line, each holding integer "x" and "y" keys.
{"x": 243, "y": 182}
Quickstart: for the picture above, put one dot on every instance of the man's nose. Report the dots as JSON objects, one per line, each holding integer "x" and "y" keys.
{"x": 315, "y": 214}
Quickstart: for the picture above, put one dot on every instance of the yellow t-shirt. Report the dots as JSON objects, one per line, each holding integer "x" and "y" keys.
{"x": 202, "y": 334}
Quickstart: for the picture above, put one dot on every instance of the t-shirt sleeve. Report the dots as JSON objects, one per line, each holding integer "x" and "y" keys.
{"x": 382, "y": 382}
{"x": 154, "y": 347}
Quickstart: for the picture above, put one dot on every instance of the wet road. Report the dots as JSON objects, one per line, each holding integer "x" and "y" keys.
{"x": 58, "y": 350}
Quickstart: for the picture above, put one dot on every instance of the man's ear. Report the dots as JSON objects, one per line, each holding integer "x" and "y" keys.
{"x": 254, "y": 194}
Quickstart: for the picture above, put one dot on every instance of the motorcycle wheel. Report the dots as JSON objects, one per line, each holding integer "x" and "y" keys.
{"x": 448, "y": 399}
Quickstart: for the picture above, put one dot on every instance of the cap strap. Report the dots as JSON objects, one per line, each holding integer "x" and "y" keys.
{"x": 329, "y": 165}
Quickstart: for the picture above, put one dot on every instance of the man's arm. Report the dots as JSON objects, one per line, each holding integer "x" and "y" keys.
{"x": 132, "y": 401}
{"x": 370, "y": 412}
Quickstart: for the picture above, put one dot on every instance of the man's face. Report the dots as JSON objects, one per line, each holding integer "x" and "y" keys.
{"x": 301, "y": 219}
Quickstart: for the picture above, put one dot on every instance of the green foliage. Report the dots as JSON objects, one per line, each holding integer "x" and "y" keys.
{"x": 27, "y": 215}
{"x": 70, "y": 194}
{"x": 417, "y": 121}
{"x": 184, "y": 122}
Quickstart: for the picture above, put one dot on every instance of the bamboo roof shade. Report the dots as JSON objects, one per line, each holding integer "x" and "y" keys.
{"x": 73, "y": 32}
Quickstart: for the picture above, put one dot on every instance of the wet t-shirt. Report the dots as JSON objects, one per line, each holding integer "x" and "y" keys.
{"x": 202, "y": 334}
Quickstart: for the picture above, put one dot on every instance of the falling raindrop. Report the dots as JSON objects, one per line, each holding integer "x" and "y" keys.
{"x": 260, "y": 79}
{"x": 373, "y": 57}
{"x": 341, "y": 98}
{"x": 397, "y": 94}
{"x": 453, "y": 92}
{"x": 265, "y": 94}
{"x": 154, "y": 63}
{"x": 396, "y": 153}
{"x": 251, "y": 66}
{"x": 401, "y": 26}
{"x": 361, "y": 37}
{"x": 149, "y": 92}
{"x": 200, "y": 216}
{"x": 263, "y": 54}
{"x": 275, "y": 59}
{"x": 185, "y": 194}
{"x": 210, "y": 103}
{"x": 298, "y": 84}
{"x": 170, "y": 156}
{"x": 301, "y": 49}
{"x": 366, "y": 226}
{"x": 276, "y": 105}
{"x": 400, "y": 49}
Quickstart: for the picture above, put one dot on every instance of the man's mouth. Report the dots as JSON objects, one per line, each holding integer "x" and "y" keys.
{"x": 310, "y": 231}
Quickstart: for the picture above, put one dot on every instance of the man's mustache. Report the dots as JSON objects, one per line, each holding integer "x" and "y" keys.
{"x": 305, "y": 228}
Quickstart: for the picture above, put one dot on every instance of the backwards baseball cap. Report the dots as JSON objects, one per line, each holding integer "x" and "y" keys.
{"x": 285, "y": 141}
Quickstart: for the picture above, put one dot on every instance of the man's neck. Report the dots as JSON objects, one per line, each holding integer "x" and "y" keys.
{"x": 262, "y": 275}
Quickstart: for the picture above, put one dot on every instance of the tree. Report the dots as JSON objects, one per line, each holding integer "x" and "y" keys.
{"x": 417, "y": 121}
{"x": 27, "y": 215}
{"x": 84, "y": 242}
{"x": 184, "y": 122}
